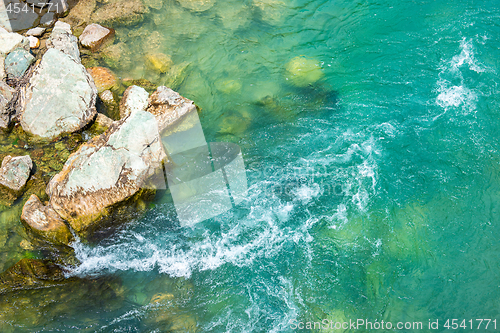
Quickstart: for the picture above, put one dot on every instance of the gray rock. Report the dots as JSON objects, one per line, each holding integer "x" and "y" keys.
{"x": 17, "y": 62}
{"x": 59, "y": 98}
{"x": 168, "y": 106}
{"x": 107, "y": 170}
{"x": 62, "y": 40}
{"x": 47, "y": 20}
{"x": 15, "y": 171}
{"x": 37, "y": 32}
{"x": 95, "y": 35}
{"x": 134, "y": 99}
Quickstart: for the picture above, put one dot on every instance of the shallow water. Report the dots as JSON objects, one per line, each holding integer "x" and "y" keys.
{"x": 373, "y": 191}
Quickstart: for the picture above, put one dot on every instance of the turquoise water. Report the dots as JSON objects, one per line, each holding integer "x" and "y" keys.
{"x": 374, "y": 192}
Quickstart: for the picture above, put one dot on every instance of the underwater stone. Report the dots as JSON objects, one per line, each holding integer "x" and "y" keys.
{"x": 15, "y": 171}
{"x": 168, "y": 106}
{"x": 103, "y": 121}
{"x": 104, "y": 78}
{"x": 80, "y": 14}
{"x": 95, "y": 35}
{"x": 17, "y": 62}
{"x": 30, "y": 274}
{"x": 197, "y": 5}
{"x": 106, "y": 170}
{"x": 120, "y": 12}
{"x": 159, "y": 62}
{"x": 134, "y": 99}
{"x": 45, "y": 222}
{"x": 60, "y": 97}
{"x": 304, "y": 71}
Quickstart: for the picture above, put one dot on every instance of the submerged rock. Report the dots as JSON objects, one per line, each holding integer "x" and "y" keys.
{"x": 80, "y": 14}
{"x": 31, "y": 274}
{"x": 134, "y": 99}
{"x": 104, "y": 78}
{"x": 197, "y": 5}
{"x": 159, "y": 62}
{"x": 17, "y": 62}
{"x": 45, "y": 222}
{"x": 59, "y": 98}
{"x": 304, "y": 71}
{"x": 95, "y": 35}
{"x": 168, "y": 106}
{"x": 15, "y": 171}
{"x": 108, "y": 169}
{"x": 103, "y": 121}
{"x": 120, "y": 12}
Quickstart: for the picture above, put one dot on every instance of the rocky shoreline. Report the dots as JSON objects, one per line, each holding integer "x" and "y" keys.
{"x": 104, "y": 163}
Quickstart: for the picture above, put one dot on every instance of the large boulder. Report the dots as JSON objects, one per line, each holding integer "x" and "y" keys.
{"x": 120, "y": 12}
{"x": 168, "y": 106}
{"x": 59, "y": 98}
{"x": 15, "y": 171}
{"x": 45, "y": 222}
{"x": 108, "y": 169}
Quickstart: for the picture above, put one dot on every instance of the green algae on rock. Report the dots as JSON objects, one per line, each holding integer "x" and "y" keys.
{"x": 120, "y": 12}
{"x": 303, "y": 71}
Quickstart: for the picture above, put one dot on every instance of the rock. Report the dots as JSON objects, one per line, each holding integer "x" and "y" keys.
{"x": 168, "y": 106}
{"x": 134, "y": 99}
{"x": 107, "y": 97}
{"x": 31, "y": 274}
{"x": 155, "y": 4}
{"x": 60, "y": 97}
{"x": 95, "y": 35}
{"x": 103, "y": 121}
{"x": 17, "y": 62}
{"x": 272, "y": 10}
{"x": 159, "y": 62}
{"x": 106, "y": 170}
{"x": 197, "y": 5}
{"x": 47, "y": 20}
{"x": 2, "y": 68}
{"x": 15, "y": 171}
{"x": 34, "y": 42}
{"x": 116, "y": 55}
{"x": 6, "y": 94}
{"x": 45, "y": 222}
{"x": 11, "y": 41}
{"x": 303, "y": 71}
{"x": 120, "y": 12}
{"x": 61, "y": 39}
{"x": 104, "y": 78}
{"x": 80, "y": 14}
{"x": 37, "y": 32}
